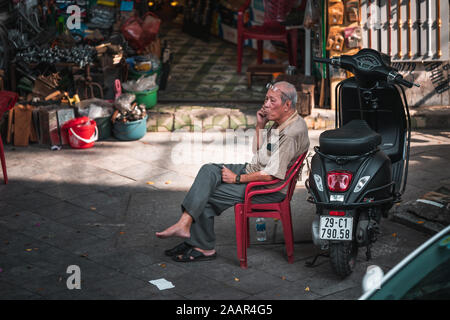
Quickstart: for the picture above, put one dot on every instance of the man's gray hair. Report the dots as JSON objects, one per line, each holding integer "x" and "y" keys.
{"x": 290, "y": 92}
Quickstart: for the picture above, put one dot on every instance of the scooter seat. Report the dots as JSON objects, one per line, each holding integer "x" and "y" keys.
{"x": 354, "y": 138}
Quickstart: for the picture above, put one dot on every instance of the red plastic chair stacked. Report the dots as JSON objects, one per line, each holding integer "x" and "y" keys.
{"x": 7, "y": 101}
{"x": 280, "y": 210}
{"x": 275, "y": 11}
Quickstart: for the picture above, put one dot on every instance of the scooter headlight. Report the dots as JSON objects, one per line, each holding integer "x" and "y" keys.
{"x": 318, "y": 181}
{"x": 361, "y": 183}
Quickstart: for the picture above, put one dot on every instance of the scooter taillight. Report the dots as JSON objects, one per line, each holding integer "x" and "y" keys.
{"x": 337, "y": 213}
{"x": 339, "y": 180}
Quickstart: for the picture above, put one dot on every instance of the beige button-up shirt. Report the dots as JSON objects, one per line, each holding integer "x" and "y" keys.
{"x": 280, "y": 147}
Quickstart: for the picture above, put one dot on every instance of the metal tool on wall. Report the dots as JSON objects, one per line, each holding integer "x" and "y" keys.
{"x": 429, "y": 26}
{"x": 438, "y": 29}
{"x": 399, "y": 29}
{"x": 378, "y": 26}
{"x": 369, "y": 5}
{"x": 409, "y": 25}
{"x": 87, "y": 86}
{"x": 389, "y": 26}
{"x": 418, "y": 27}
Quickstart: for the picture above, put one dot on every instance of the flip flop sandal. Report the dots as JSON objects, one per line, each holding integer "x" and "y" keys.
{"x": 177, "y": 250}
{"x": 193, "y": 255}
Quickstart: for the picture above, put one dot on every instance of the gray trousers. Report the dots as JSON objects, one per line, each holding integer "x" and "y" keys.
{"x": 209, "y": 197}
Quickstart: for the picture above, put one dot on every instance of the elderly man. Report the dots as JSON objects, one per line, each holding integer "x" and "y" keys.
{"x": 218, "y": 186}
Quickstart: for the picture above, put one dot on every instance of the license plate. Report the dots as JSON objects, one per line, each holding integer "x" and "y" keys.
{"x": 336, "y": 228}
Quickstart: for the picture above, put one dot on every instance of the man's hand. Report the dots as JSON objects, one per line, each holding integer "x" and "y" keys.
{"x": 261, "y": 118}
{"x": 228, "y": 176}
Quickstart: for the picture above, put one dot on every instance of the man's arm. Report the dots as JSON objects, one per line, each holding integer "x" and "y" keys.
{"x": 256, "y": 176}
{"x": 229, "y": 176}
{"x": 261, "y": 121}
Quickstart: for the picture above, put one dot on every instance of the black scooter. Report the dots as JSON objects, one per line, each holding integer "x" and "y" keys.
{"x": 359, "y": 170}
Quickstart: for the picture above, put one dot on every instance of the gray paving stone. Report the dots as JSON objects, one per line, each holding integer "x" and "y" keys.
{"x": 123, "y": 260}
{"x": 256, "y": 281}
{"x": 68, "y": 190}
{"x": 20, "y": 220}
{"x": 162, "y": 269}
{"x": 7, "y": 209}
{"x": 196, "y": 286}
{"x": 109, "y": 232}
{"x": 12, "y": 292}
{"x": 95, "y": 200}
{"x": 79, "y": 294}
{"x": 23, "y": 274}
{"x": 289, "y": 291}
{"x": 59, "y": 210}
{"x": 115, "y": 285}
{"x": 32, "y": 200}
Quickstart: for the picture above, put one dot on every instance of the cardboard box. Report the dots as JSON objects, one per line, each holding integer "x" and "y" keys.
{"x": 229, "y": 33}
{"x": 48, "y": 126}
{"x": 22, "y": 124}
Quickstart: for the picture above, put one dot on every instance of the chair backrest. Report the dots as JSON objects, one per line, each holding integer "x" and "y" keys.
{"x": 293, "y": 173}
{"x": 275, "y": 11}
{"x": 7, "y": 100}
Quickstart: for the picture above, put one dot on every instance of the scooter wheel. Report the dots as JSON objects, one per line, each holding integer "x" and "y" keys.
{"x": 343, "y": 257}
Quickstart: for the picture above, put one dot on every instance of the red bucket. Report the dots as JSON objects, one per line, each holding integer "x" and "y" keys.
{"x": 82, "y": 132}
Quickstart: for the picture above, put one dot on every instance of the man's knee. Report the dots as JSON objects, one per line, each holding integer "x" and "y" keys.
{"x": 209, "y": 167}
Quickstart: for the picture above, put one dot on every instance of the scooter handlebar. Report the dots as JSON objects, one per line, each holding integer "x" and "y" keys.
{"x": 404, "y": 82}
{"x": 321, "y": 60}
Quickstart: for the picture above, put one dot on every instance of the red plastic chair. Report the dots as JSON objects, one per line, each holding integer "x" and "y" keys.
{"x": 280, "y": 210}
{"x": 7, "y": 101}
{"x": 275, "y": 11}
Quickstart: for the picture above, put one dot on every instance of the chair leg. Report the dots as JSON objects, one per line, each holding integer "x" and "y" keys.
{"x": 3, "y": 160}
{"x": 259, "y": 45}
{"x": 241, "y": 236}
{"x": 240, "y": 47}
{"x": 286, "y": 220}
{"x": 248, "y": 233}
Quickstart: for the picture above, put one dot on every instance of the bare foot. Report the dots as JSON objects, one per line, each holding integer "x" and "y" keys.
{"x": 206, "y": 252}
{"x": 180, "y": 229}
{"x": 174, "y": 231}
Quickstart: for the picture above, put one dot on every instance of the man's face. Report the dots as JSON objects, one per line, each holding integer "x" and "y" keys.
{"x": 273, "y": 105}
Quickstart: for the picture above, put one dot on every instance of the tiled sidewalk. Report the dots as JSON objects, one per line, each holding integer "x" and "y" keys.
{"x": 99, "y": 209}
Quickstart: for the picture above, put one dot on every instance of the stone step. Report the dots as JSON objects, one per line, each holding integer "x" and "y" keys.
{"x": 204, "y": 118}
{"x": 199, "y": 118}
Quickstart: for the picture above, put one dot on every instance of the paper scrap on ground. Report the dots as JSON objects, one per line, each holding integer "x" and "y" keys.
{"x": 162, "y": 284}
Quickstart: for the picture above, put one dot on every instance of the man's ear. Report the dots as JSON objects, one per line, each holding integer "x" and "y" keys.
{"x": 289, "y": 103}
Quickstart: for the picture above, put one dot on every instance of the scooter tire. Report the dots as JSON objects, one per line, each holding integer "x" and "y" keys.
{"x": 343, "y": 257}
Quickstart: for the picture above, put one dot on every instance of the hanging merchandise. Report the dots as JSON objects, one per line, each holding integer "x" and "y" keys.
{"x": 312, "y": 14}
{"x": 335, "y": 39}
{"x": 335, "y": 12}
{"x": 352, "y": 10}
{"x": 343, "y": 36}
{"x": 140, "y": 33}
{"x": 150, "y": 27}
{"x": 101, "y": 17}
{"x": 353, "y": 37}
